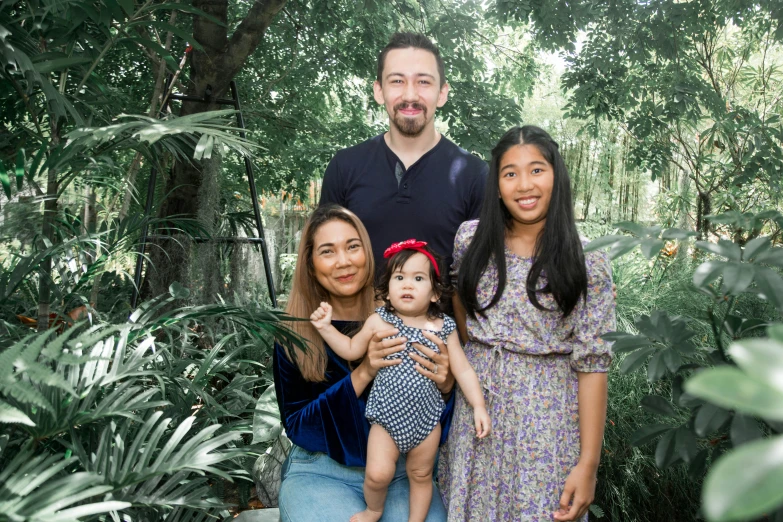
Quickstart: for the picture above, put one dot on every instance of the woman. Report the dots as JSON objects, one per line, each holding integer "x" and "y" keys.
{"x": 534, "y": 306}
{"x": 321, "y": 397}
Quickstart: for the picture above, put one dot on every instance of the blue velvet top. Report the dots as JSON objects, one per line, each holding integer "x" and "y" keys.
{"x": 327, "y": 416}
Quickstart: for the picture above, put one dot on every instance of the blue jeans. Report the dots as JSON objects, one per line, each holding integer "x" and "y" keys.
{"x": 318, "y": 489}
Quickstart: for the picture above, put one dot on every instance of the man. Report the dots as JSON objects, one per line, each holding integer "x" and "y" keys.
{"x": 409, "y": 182}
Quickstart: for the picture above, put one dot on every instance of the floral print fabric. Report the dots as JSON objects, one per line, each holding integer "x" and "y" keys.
{"x": 526, "y": 360}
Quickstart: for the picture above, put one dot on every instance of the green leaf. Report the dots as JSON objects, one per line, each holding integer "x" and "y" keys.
{"x": 5, "y": 181}
{"x": 11, "y": 415}
{"x": 178, "y": 291}
{"x": 659, "y": 405}
{"x": 59, "y": 64}
{"x": 651, "y": 247}
{"x": 737, "y": 277}
{"x": 648, "y": 433}
{"x": 775, "y": 331}
{"x": 773, "y": 256}
{"x": 727, "y": 249}
{"x": 707, "y": 273}
{"x": 730, "y": 388}
{"x": 623, "y": 246}
{"x": 665, "y": 451}
{"x": 602, "y": 242}
{"x": 20, "y": 160}
{"x": 755, "y": 247}
{"x": 709, "y": 419}
{"x": 629, "y": 343}
{"x": 672, "y": 359}
{"x": 771, "y": 286}
{"x": 657, "y": 368}
{"x": 744, "y": 429}
{"x": 634, "y": 228}
{"x": 698, "y": 465}
{"x": 127, "y": 6}
{"x": 166, "y": 27}
{"x": 186, "y": 8}
{"x": 266, "y": 417}
{"x": 634, "y": 360}
{"x": 686, "y": 444}
{"x": 745, "y": 483}
{"x": 676, "y": 233}
{"x": 760, "y": 358}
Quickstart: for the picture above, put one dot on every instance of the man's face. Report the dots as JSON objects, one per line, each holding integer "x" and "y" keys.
{"x": 410, "y": 89}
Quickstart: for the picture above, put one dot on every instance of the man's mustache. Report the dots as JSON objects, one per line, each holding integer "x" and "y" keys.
{"x": 414, "y": 105}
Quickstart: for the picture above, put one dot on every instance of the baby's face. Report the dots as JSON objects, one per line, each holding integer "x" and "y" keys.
{"x": 410, "y": 287}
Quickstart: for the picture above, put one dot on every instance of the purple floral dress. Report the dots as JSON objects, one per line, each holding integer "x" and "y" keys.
{"x": 526, "y": 361}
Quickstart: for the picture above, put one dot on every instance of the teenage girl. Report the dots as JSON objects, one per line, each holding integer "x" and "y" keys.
{"x": 532, "y": 307}
{"x": 404, "y": 407}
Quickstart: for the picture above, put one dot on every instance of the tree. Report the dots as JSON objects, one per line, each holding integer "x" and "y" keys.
{"x": 695, "y": 86}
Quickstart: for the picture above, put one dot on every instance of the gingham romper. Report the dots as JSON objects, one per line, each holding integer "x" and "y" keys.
{"x": 405, "y": 403}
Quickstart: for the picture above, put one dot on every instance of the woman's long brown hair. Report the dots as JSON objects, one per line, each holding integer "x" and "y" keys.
{"x": 307, "y": 293}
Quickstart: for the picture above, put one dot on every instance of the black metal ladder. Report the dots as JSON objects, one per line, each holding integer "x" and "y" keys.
{"x": 260, "y": 240}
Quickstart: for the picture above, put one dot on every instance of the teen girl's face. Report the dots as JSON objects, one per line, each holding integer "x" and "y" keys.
{"x": 339, "y": 260}
{"x": 525, "y": 182}
{"x": 410, "y": 287}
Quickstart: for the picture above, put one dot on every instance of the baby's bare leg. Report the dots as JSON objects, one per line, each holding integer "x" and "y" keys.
{"x": 421, "y": 460}
{"x": 382, "y": 455}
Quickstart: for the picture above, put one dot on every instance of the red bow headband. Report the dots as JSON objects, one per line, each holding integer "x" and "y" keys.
{"x": 411, "y": 244}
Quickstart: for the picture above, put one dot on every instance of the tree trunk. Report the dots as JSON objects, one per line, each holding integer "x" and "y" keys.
{"x": 703, "y": 209}
{"x": 47, "y": 231}
{"x": 211, "y": 71}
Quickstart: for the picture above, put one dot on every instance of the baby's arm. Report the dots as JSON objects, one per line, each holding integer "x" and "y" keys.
{"x": 346, "y": 347}
{"x": 469, "y": 384}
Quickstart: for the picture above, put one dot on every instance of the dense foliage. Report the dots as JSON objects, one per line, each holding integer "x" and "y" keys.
{"x": 668, "y": 117}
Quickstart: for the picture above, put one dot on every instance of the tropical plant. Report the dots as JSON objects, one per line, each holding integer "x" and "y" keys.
{"x": 697, "y": 428}
{"x": 142, "y": 418}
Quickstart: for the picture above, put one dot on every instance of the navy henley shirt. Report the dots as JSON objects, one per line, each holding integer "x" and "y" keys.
{"x": 428, "y": 201}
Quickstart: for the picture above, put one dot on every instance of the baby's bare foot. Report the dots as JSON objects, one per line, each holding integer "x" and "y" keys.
{"x": 368, "y": 515}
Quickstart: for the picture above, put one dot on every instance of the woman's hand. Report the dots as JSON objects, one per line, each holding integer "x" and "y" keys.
{"x": 437, "y": 367}
{"x": 578, "y": 493}
{"x": 380, "y": 347}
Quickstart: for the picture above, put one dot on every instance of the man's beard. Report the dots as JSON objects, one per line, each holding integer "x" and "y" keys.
{"x": 410, "y": 127}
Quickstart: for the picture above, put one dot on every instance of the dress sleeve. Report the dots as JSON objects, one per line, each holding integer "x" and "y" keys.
{"x": 332, "y": 188}
{"x": 461, "y": 242}
{"x": 330, "y": 421}
{"x": 595, "y": 317}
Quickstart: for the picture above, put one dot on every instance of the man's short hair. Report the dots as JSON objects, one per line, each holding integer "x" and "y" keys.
{"x": 407, "y": 40}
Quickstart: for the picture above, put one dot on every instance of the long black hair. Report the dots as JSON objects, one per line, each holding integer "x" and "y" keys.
{"x": 557, "y": 255}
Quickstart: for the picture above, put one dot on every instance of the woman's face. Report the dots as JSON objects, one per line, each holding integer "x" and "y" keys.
{"x": 525, "y": 181}
{"x": 339, "y": 260}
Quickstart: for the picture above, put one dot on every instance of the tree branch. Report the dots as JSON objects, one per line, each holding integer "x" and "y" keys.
{"x": 249, "y": 34}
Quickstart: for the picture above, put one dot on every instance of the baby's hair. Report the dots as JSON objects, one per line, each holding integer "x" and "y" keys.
{"x": 441, "y": 286}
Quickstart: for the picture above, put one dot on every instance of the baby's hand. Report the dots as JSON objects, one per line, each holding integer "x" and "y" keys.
{"x": 482, "y": 421}
{"x": 322, "y": 317}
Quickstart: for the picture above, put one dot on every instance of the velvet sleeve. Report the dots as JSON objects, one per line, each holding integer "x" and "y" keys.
{"x": 445, "y": 418}
{"x": 321, "y": 417}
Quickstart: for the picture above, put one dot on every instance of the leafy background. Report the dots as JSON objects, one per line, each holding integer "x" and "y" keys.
{"x": 667, "y": 114}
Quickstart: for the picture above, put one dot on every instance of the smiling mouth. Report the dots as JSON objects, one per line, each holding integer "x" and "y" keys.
{"x": 527, "y": 202}
{"x": 346, "y": 278}
{"x": 409, "y": 109}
